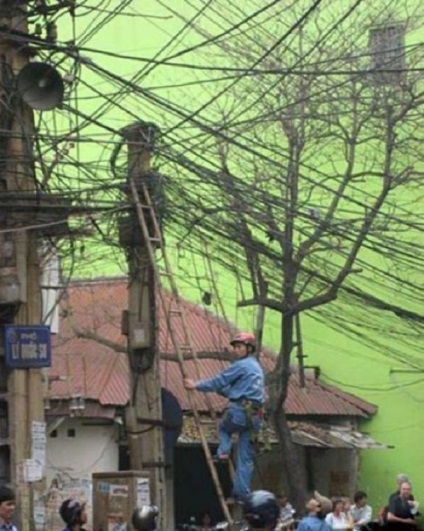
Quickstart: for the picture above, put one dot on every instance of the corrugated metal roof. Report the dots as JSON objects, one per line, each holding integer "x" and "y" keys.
{"x": 92, "y": 368}
{"x": 92, "y": 409}
{"x": 321, "y": 436}
{"x": 309, "y": 434}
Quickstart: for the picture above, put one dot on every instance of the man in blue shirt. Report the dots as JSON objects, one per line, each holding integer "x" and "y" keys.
{"x": 313, "y": 521}
{"x": 243, "y": 383}
{"x": 7, "y": 508}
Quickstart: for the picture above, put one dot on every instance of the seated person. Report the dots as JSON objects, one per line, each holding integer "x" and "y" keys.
{"x": 360, "y": 511}
{"x": 337, "y": 520}
{"x": 402, "y": 510}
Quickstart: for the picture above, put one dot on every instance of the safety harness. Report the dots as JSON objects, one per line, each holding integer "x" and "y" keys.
{"x": 253, "y": 409}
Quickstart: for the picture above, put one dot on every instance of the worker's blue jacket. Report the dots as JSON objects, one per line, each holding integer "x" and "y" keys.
{"x": 242, "y": 380}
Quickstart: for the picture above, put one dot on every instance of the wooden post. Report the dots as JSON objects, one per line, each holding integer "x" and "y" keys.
{"x": 25, "y": 390}
{"x": 145, "y": 440}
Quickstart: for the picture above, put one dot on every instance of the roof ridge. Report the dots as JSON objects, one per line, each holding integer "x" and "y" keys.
{"x": 98, "y": 280}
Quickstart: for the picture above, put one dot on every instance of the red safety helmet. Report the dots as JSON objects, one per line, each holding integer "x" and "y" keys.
{"x": 246, "y": 339}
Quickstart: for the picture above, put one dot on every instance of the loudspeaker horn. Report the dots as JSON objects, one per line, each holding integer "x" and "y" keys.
{"x": 41, "y": 86}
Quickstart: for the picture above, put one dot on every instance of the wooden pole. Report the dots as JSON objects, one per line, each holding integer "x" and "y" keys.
{"x": 146, "y": 442}
{"x": 25, "y": 389}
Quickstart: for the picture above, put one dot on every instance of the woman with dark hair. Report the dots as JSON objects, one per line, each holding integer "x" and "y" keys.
{"x": 337, "y": 519}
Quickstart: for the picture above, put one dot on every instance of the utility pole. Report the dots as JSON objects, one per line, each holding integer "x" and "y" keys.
{"x": 144, "y": 413}
{"x": 20, "y": 297}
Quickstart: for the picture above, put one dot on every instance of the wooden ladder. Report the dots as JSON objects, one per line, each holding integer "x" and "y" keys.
{"x": 175, "y": 316}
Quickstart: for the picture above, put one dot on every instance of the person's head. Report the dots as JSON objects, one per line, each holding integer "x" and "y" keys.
{"x": 144, "y": 518}
{"x": 7, "y": 504}
{"x": 313, "y": 507}
{"x": 401, "y": 478}
{"x": 282, "y": 499}
{"x": 73, "y": 513}
{"x": 405, "y": 489}
{"x": 360, "y": 498}
{"x": 346, "y": 505}
{"x": 243, "y": 344}
{"x": 261, "y": 510}
{"x": 337, "y": 506}
{"x": 206, "y": 520}
{"x": 326, "y": 504}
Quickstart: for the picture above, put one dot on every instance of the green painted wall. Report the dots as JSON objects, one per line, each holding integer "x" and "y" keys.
{"x": 359, "y": 368}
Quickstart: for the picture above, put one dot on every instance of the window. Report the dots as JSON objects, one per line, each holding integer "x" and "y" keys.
{"x": 71, "y": 432}
{"x": 53, "y": 434}
{"x": 387, "y": 51}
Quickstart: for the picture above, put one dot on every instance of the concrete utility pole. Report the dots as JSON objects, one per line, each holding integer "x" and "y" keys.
{"x": 144, "y": 413}
{"x": 20, "y": 298}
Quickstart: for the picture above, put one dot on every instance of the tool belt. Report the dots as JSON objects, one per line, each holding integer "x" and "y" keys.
{"x": 249, "y": 405}
{"x": 255, "y": 409}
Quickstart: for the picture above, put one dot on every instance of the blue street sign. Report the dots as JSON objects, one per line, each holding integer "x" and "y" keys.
{"x": 27, "y": 347}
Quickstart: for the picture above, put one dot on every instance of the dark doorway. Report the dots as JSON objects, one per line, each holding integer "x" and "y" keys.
{"x": 195, "y": 492}
{"x": 124, "y": 457}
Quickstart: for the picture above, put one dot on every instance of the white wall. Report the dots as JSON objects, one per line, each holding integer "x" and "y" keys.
{"x": 72, "y": 460}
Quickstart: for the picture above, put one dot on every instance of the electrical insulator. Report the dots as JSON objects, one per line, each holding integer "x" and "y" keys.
{"x": 9, "y": 286}
{"x": 51, "y": 32}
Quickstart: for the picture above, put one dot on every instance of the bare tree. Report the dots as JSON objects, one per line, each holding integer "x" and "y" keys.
{"x": 300, "y": 165}
{"x": 302, "y": 175}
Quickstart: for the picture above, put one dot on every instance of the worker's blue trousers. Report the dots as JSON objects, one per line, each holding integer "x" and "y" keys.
{"x": 235, "y": 420}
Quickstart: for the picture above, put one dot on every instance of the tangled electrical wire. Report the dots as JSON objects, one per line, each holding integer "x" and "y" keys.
{"x": 290, "y": 144}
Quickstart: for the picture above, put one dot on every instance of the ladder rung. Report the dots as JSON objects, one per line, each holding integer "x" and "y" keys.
{"x": 175, "y": 311}
{"x": 186, "y": 348}
{"x": 207, "y": 421}
{"x": 155, "y": 239}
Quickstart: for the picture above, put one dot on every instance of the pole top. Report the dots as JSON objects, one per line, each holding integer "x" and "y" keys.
{"x": 143, "y": 133}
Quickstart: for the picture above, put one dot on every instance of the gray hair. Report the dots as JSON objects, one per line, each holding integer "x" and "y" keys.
{"x": 402, "y": 478}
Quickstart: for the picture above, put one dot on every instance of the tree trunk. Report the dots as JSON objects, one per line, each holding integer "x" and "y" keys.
{"x": 294, "y": 467}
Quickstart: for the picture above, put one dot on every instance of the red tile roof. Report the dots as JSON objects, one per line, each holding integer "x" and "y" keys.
{"x": 93, "y": 369}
